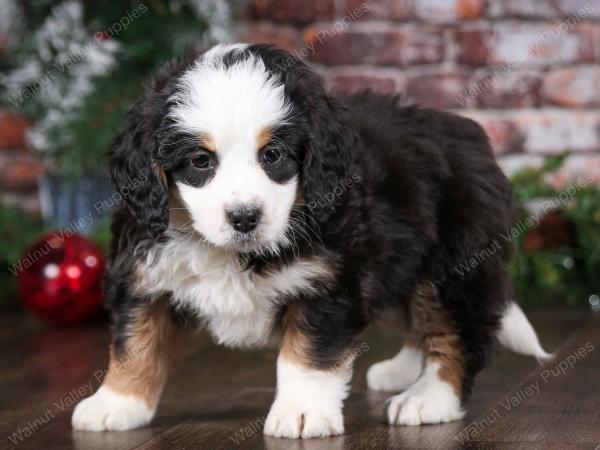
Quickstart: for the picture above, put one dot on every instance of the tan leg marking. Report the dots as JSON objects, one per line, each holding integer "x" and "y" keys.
{"x": 440, "y": 339}
{"x": 294, "y": 346}
{"x": 142, "y": 369}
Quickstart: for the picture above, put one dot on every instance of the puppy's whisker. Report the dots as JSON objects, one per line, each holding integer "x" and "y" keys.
{"x": 298, "y": 226}
{"x": 307, "y": 216}
{"x": 307, "y": 226}
{"x": 294, "y": 244}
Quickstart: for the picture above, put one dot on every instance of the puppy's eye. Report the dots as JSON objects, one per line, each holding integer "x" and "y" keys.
{"x": 271, "y": 156}
{"x": 202, "y": 161}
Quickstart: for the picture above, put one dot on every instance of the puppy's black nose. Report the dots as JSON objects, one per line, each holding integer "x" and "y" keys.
{"x": 243, "y": 219}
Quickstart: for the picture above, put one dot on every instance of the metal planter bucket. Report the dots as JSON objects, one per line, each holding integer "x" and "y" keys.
{"x": 74, "y": 204}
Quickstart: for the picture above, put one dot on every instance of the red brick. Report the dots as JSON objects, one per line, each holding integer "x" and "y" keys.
{"x": 517, "y": 45}
{"x": 503, "y": 133}
{"x": 527, "y": 44}
{"x": 292, "y": 11}
{"x": 398, "y": 48}
{"x": 381, "y": 48}
{"x": 285, "y": 37}
{"x": 473, "y": 46}
{"x": 583, "y": 168}
{"x": 13, "y": 131}
{"x": 435, "y": 10}
{"x": 470, "y": 9}
{"x": 552, "y": 131}
{"x": 301, "y": 11}
{"x": 591, "y": 32}
{"x": 436, "y": 90}
{"x": 579, "y": 9}
{"x": 573, "y": 87}
{"x": 590, "y": 47}
{"x": 398, "y": 10}
{"x": 20, "y": 172}
{"x": 506, "y": 89}
{"x": 445, "y": 11}
{"x": 28, "y": 202}
{"x": 423, "y": 45}
{"x": 516, "y": 162}
{"x": 525, "y": 9}
{"x": 258, "y": 9}
{"x": 357, "y": 81}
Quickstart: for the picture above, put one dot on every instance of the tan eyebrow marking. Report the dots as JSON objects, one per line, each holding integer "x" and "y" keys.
{"x": 207, "y": 142}
{"x": 264, "y": 137}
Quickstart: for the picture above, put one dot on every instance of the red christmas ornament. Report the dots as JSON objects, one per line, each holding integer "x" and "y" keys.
{"x": 61, "y": 278}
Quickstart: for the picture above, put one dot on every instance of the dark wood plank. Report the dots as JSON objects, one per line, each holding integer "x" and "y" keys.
{"x": 556, "y": 406}
{"x": 54, "y": 381}
{"x": 219, "y": 398}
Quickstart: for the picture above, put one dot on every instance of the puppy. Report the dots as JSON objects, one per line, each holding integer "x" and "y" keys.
{"x": 265, "y": 210}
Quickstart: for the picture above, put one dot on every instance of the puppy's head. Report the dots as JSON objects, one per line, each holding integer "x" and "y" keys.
{"x": 238, "y": 139}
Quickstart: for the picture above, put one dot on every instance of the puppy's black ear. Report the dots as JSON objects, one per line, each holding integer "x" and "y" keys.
{"x": 134, "y": 172}
{"x": 331, "y": 135}
{"x": 331, "y": 139}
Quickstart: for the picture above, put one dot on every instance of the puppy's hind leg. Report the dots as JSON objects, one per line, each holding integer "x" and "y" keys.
{"x": 437, "y": 395}
{"x": 399, "y": 372}
{"x": 458, "y": 322}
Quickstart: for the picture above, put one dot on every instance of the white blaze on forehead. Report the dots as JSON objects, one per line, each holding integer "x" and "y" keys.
{"x": 233, "y": 104}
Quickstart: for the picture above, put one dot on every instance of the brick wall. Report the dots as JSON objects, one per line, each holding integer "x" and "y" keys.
{"x": 20, "y": 167}
{"x": 527, "y": 70}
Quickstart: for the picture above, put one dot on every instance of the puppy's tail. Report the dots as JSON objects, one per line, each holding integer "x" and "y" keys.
{"x": 517, "y": 334}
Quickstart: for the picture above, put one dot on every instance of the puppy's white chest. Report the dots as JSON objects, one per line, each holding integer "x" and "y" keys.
{"x": 237, "y": 305}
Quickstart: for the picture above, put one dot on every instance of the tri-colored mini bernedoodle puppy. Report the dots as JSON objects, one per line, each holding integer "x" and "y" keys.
{"x": 263, "y": 209}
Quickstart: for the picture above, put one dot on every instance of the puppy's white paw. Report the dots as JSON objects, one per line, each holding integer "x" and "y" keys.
{"x": 308, "y": 403}
{"x": 397, "y": 373}
{"x": 388, "y": 376}
{"x": 429, "y": 400}
{"x": 109, "y": 410}
{"x": 291, "y": 420}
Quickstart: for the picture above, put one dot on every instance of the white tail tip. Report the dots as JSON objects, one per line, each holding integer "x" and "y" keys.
{"x": 517, "y": 334}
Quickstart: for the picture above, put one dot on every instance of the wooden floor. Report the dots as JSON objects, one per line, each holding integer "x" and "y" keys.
{"x": 219, "y": 398}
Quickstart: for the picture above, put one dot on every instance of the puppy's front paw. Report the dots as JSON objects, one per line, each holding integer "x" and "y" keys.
{"x": 289, "y": 419}
{"x": 109, "y": 410}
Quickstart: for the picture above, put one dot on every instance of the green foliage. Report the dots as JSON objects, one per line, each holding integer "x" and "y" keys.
{"x": 529, "y": 183}
{"x": 18, "y": 230}
{"x": 569, "y": 274}
{"x": 101, "y": 235}
{"x": 586, "y": 217}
